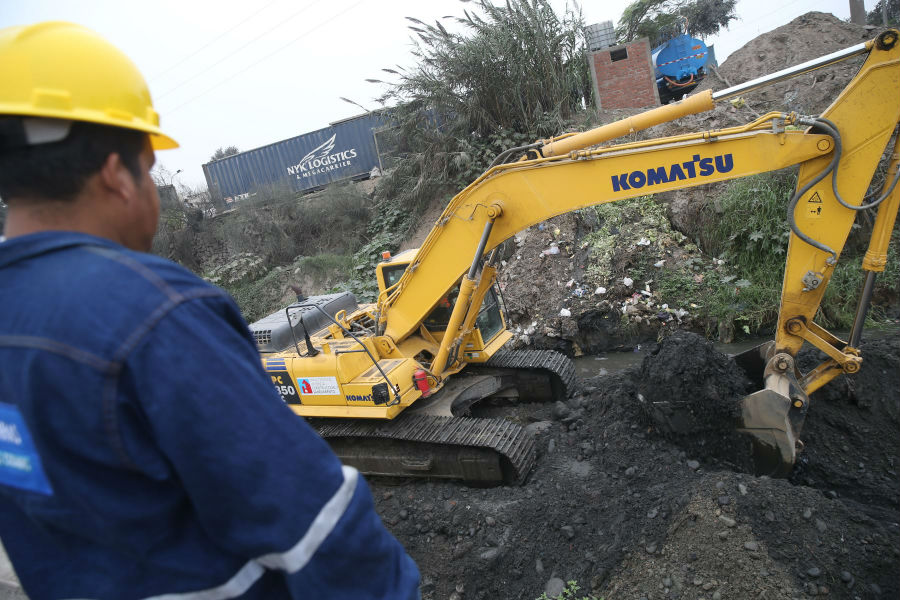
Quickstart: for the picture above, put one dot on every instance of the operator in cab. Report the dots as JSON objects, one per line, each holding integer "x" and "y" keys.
{"x": 143, "y": 451}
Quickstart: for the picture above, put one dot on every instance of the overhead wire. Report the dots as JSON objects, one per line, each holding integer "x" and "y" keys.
{"x": 239, "y": 49}
{"x": 209, "y": 43}
{"x": 276, "y": 51}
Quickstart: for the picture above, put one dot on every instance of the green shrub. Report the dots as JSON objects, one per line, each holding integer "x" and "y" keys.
{"x": 569, "y": 593}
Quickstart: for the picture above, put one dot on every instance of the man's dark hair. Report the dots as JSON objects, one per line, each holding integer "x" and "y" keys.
{"x": 58, "y": 170}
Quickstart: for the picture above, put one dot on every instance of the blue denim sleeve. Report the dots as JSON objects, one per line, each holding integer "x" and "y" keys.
{"x": 263, "y": 484}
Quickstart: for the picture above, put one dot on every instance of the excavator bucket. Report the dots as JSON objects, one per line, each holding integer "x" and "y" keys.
{"x": 772, "y": 417}
{"x": 765, "y": 418}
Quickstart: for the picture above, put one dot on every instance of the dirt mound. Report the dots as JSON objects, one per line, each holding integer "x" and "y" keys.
{"x": 628, "y": 513}
{"x": 807, "y": 37}
{"x": 691, "y": 393}
{"x": 850, "y": 432}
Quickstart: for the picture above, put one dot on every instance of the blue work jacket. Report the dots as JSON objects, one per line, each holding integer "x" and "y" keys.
{"x": 145, "y": 453}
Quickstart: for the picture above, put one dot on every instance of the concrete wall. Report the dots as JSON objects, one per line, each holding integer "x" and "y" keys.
{"x": 623, "y": 76}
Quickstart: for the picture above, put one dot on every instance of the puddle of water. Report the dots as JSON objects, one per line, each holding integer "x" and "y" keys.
{"x": 610, "y": 362}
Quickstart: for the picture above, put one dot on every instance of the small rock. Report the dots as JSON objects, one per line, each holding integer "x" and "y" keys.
{"x": 724, "y": 500}
{"x": 568, "y": 530}
{"x": 814, "y": 571}
{"x": 812, "y": 589}
{"x": 821, "y": 526}
{"x": 539, "y": 427}
{"x": 742, "y": 489}
{"x": 403, "y": 514}
{"x": 831, "y": 494}
{"x": 823, "y": 590}
{"x": 729, "y": 522}
{"x": 651, "y": 514}
{"x": 490, "y": 521}
{"x": 770, "y": 516}
{"x": 720, "y": 485}
{"x": 807, "y": 513}
{"x": 723, "y": 535}
{"x": 651, "y": 548}
{"x": 717, "y": 595}
{"x": 751, "y": 546}
{"x": 709, "y": 585}
{"x": 551, "y": 446}
{"x": 693, "y": 464}
{"x": 667, "y": 581}
{"x": 554, "y": 587}
{"x": 560, "y": 410}
{"x": 539, "y": 566}
{"x": 846, "y": 577}
{"x": 698, "y": 580}
{"x": 876, "y": 589}
{"x": 630, "y": 471}
{"x": 490, "y": 554}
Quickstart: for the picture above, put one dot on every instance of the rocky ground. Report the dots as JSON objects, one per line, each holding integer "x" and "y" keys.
{"x": 629, "y": 511}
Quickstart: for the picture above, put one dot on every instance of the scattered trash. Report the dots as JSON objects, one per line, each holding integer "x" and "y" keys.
{"x": 565, "y": 312}
{"x": 600, "y": 291}
{"x": 570, "y": 283}
{"x": 660, "y": 263}
{"x": 556, "y": 231}
{"x": 553, "y": 249}
{"x": 578, "y": 292}
{"x": 643, "y": 242}
{"x": 628, "y": 281}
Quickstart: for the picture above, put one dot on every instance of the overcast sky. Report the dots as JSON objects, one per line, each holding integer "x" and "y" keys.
{"x": 232, "y": 72}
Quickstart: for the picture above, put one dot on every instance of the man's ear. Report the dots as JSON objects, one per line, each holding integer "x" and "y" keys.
{"x": 116, "y": 179}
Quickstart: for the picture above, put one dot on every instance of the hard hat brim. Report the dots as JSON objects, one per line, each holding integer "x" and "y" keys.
{"x": 160, "y": 141}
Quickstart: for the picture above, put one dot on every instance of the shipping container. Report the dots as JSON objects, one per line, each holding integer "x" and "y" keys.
{"x": 344, "y": 150}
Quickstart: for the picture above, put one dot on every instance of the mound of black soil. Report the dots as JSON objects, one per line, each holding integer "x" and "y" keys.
{"x": 691, "y": 393}
{"x": 850, "y": 433}
{"x": 629, "y": 513}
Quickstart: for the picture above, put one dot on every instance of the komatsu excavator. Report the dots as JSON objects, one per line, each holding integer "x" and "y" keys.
{"x": 389, "y": 384}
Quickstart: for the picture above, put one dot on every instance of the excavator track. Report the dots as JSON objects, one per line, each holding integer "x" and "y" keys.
{"x": 558, "y": 366}
{"x": 477, "y": 451}
{"x": 425, "y": 442}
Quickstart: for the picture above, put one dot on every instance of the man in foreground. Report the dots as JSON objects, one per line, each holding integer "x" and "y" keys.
{"x": 143, "y": 451}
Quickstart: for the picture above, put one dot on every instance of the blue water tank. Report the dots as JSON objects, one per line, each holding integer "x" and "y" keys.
{"x": 680, "y": 57}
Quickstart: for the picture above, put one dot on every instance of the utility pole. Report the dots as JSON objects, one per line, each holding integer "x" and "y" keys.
{"x": 857, "y": 12}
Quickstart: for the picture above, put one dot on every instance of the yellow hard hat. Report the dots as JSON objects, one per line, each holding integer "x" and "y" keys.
{"x": 65, "y": 71}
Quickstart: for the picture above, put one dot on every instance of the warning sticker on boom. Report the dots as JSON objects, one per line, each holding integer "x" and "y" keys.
{"x": 321, "y": 386}
{"x": 814, "y": 205}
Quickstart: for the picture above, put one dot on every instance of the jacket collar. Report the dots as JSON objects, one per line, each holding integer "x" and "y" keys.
{"x": 29, "y": 246}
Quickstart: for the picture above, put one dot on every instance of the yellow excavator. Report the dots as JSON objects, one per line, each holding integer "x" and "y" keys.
{"x": 389, "y": 384}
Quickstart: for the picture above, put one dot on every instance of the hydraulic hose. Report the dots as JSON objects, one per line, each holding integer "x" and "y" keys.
{"x": 792, "y": 204}
{"x": 831, "y": 129}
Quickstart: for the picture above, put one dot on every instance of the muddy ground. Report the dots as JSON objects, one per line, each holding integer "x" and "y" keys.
{"x": 629, "y": 512}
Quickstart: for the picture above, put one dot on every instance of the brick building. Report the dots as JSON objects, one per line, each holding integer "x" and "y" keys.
{"x": 623, "y": 76}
